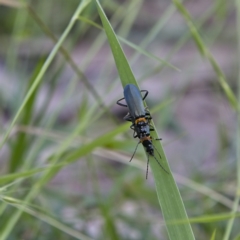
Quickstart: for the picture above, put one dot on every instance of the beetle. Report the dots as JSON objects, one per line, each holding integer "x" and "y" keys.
{"x": 140, "y": 118}
{"x": 138, "y": 115}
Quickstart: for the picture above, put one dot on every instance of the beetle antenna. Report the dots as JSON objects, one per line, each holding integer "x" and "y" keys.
{"x": 158, "y": 161}
{"x": 157, "y": 151}
{"x": 160, "y": 165}
{"x": 134, "y": 151}
{"x": 147, "y": 166}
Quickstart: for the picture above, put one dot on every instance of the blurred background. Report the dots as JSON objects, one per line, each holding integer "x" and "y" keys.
{"x": 99, "y": 194}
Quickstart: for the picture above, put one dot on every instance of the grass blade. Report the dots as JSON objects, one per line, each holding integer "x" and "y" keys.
{"x": 123, "y": 67}
{"x": 205, "y": 52}
{"x": 44, "y": 68}
{"x": 213, "y": 235}
{"x": 167, "y": 191}
{"x": 132, "y": 45}
{"x": 20, "y": 145}
{"x": 237, "y": 197}
{"x": 9, "y": 225}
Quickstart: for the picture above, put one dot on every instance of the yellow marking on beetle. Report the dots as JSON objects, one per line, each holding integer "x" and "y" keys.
{"x": 140, "y": 120}
{"x": 145, "y": 138}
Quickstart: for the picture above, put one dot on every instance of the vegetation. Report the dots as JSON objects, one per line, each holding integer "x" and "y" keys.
{"x": 64, "y": 148}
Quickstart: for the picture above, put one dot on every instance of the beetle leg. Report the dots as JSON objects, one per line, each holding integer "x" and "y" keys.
{"x": 146, "y": 93}
{"x": 135, "y": 135}
{"x": 128, "y": 117}
{"x": 134, "y": 152}
{"x": 121, "y": 104}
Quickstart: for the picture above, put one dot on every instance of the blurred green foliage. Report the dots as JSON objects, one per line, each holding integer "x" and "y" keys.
{"x": 65, "y": 171}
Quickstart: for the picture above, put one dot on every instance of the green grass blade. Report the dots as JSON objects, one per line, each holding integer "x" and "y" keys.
{"x": 213, "y": 235}
{"x": 237, "y": 197}
{"x": 109, "y": 225}
{"x": 25, "y": 174}
{"x": 205, "y": 52}
{"x": 20, "y": 145}
{"x": 7, "y": 229}
{"x": 132, "y": 45}
{"x": 167, "y": 191}
{"x": 44, "y": 68}
{"x": 69, "y": 59}
{"x": 231, "y": 220}
{"x": 209, "y": 218}
{"x": 123, "y": 67}
{"x": 51, "y": 171}
{"x": 46, "y": 218}
{"x": 237, "y": 237}
{"x": 150, "y": 55}
{"x": 71, "y": 157}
